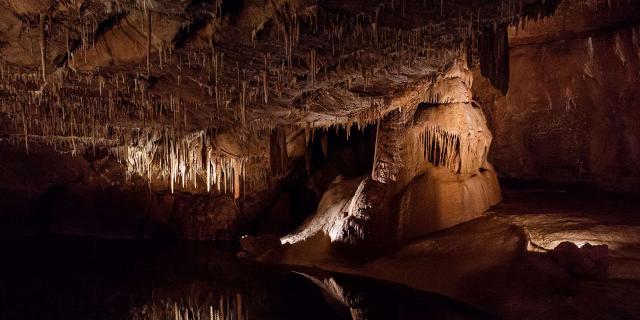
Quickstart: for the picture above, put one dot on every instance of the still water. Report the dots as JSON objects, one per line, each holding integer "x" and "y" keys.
{"x": 87, "y": 278}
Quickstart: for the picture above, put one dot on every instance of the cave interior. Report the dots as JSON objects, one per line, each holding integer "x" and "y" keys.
{"x": 320, "y": 159}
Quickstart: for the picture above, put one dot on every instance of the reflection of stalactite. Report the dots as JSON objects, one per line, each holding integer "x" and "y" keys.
{"x": 493, "y": 47}
{"x": 214, "y": 306}
{"x": 278, "y": 151}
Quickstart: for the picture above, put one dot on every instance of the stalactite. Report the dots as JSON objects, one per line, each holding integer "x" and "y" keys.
{"x": 313, "y": 68}
{"x": 243, "y": 104}
{"x": 265, "y": 80}
{"x": 619, "y": 50}
{"x": 441, "y": 148}
{"x": 43, "y": 46}
{"x": 149, "y": 35}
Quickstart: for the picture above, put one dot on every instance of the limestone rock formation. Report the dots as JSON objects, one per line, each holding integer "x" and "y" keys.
{"x": 570, "y": 116}
{"x": 438, "y": 173}
{"x": 438, "y": 200}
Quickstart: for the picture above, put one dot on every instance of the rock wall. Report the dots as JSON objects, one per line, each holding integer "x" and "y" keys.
{"x": 571, "y": 113}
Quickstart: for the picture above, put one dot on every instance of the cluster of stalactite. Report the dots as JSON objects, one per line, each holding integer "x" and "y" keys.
{"x": 361, "y": 47}
{"x": 601, "y": 4}
{"x": 441, "y": 148}
{"x": 88, "y": 112}
{"x": 216, "y": 306}
{"x": 188, "y": 160}
{"x": 459, "y": 142}
{"x": 454, "y": 151}
{"x": 314, "y": 67}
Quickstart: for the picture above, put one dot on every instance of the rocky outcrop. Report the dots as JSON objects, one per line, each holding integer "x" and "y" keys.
{"x": 587, "y": 261}
{"x": 570, "y": 115}
{"x": 430, "y": 173}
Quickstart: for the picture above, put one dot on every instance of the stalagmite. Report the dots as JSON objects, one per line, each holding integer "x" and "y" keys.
{"x": 26, "y": 135}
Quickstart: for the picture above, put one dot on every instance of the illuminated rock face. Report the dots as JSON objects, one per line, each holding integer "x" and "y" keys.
{"x": 448, "y": 179}
{"x": 439, "y": 200}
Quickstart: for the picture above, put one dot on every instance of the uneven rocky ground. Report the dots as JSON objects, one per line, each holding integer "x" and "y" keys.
{"x": 500, "y": 264}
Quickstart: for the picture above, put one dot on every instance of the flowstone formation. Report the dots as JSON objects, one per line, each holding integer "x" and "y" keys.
{"x": 223, "y": 99}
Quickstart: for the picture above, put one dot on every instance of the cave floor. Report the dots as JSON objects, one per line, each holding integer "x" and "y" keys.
{"x": 551, "y": 217}
{"x": 498, "y": 263}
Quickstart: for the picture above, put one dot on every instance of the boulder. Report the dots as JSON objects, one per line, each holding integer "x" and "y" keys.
{"x": 588, "y": 261}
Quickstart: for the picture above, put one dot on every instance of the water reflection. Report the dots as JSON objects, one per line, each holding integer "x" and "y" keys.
{"x": 63, "y": 278}
{"x": 217, "y": 306}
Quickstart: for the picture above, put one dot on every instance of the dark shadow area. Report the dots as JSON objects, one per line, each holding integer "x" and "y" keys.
{"x": 350, "y": 156}
{"x": 88, "y": 278}
{"x": 42, "y": 208}
{"x": 329, "y": 154}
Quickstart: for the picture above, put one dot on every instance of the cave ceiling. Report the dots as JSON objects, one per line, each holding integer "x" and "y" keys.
{"x": 228, "y": 64}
